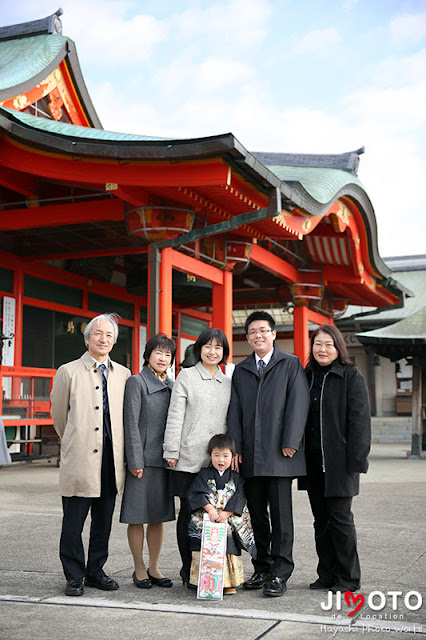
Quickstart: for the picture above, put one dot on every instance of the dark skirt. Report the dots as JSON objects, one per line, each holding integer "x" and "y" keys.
{"x": 179, "y": 482}
{"x": 146, "y": 500}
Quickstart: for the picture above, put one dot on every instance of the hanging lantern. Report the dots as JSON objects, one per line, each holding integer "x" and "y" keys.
{"x": 212, "y": 250}
{"x": 159, "y": 223}
{"x": 238, "y": 251}
{"x": 238, "y": 255}
{"x": 306, "y": 294}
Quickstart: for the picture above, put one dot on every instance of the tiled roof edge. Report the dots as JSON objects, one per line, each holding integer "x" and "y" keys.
{"x": 51, "y": 24}
{"x": 345, "y": 161}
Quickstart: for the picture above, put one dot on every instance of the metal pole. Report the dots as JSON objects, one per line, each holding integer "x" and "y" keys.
{"x": 416, "y": 433}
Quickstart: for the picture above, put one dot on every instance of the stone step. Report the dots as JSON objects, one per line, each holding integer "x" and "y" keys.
{"x": 391, "y": 429}
{"x": 391, "y": 439}
{"x": 402, "y": 420}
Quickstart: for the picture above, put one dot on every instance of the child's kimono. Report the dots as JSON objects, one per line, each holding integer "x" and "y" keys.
{"x": 225, "y": 493}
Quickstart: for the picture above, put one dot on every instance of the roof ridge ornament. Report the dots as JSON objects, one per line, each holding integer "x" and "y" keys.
{"x": 48, "y": 25}
{"x": 348, "y": 161}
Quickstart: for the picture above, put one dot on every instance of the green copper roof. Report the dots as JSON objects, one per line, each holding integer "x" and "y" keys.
{"x": 74, "y": 131}
{"x": 25, "y": 58}
{"x": 411, "y": 328}
{"x": 322, "y": 184}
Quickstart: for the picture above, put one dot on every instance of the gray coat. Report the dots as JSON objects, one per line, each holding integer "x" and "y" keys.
{"x": 268, "y": 414}
{"x": 197, "y": 412}
{"x": 146, "y": 401}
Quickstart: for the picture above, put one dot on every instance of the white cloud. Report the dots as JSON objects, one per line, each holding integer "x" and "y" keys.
{"x": 231, "y": 25}
{"x": 396, "y": 71}
{"x": 318, "y": 41}
{"x": 209, "y": 76}
{"x": 348, "y": 5}
{"x": 106, "y": 37}
{"x": 408, "y": 28}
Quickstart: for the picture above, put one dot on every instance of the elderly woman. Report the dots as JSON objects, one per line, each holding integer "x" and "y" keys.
{"x": 198, "y": 410}
{"x": 338, "y": 435}
{"x": 146, "y": 498}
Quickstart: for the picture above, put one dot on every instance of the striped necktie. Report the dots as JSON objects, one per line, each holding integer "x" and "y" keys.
{"x": 260, "y": 367}
{"x": 104, "y": 390}
{"x": 107, "y": 431}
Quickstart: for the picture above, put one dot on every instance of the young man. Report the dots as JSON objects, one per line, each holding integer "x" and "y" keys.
{"x": 87, "y": 411}
{"x": 267, "y": 417}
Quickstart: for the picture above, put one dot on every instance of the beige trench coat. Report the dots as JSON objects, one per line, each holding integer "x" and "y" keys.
{"x": 78, "y": 417}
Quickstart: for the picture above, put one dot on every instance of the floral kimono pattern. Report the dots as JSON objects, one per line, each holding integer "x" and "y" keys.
{"x": 231, "y": 497}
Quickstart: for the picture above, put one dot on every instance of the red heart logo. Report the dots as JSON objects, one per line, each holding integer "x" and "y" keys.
{"x": 359, "y": 598}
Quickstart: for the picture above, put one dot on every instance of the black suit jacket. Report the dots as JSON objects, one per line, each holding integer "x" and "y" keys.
{"x": 267, "y": 414}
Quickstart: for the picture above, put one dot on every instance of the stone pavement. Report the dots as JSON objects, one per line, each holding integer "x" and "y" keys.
{"x": 390, "y": 517}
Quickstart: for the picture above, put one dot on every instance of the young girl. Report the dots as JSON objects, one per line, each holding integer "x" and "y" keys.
{"x": 218, "y": 491}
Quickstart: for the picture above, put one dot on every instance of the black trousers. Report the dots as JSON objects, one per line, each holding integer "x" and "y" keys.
{"x": 179, "y": 483}
{"x": 183, "y": 538}
{"x": 76, "y": 509}
{"x": 273, "y": 530}
{"x": 335, "y": 535}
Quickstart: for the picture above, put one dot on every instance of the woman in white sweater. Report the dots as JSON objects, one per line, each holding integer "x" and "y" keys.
{"x": 197, "y": 411}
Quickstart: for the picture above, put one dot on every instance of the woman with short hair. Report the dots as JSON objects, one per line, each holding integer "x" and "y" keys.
{"x": 146, "y": 498}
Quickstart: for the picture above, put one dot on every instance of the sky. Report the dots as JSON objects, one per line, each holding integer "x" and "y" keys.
{"x": 296, "y": 76}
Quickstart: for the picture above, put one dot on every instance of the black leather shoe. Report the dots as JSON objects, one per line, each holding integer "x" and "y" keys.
{"x": 141, "y": 584}
{"x": 275, "y": 587}
{"x": 257, "y": 580}
{"x": 74, "y": 587}
{"x": 339, "y": 587}
{"x": 320, "y": 584}
{"x": 160, "y": 582}
{"x": 101, "y": 582}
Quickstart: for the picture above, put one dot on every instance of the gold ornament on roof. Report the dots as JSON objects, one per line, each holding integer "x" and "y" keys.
{"x": 20, "y": 102}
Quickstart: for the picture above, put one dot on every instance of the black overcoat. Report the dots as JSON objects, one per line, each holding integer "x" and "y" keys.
{"x": 269, "y": 413}
{"x": 346, "y": 429}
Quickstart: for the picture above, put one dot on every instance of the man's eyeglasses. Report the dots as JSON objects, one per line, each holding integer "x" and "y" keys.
{"x": 254, "y": 332}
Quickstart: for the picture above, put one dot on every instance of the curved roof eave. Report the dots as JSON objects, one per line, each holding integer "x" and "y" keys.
{"x": 94, "y": 143}
{"x": 80, "y": 85}
{"x": 54, "y": 52}
{"x": 58, "y": 137}
{"x": 56, "y": 48}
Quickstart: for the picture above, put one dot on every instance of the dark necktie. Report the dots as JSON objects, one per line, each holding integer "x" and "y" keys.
{"x": 260, "y": 367}
{"x": 105, "y": 404}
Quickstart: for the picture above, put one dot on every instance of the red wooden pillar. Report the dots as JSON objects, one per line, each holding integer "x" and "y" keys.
{"x": 222, "y": 308}
{"x": 165, "y": 299}
{"x": 301, "y": 333}
{"x": 302, "y": 316}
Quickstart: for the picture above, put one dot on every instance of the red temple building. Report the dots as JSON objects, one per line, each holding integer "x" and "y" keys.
{"x": 171, "y": 234}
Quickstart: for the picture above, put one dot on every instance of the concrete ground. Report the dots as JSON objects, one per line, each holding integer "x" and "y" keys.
{"x": 390, "y": 518}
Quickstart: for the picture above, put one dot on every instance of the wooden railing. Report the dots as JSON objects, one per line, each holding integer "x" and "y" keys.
{"x": 27, "y": 408}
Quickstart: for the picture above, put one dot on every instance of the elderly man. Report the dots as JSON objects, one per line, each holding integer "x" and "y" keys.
{"x": 87, "y": 411}
{"x": 266, "y": 417}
